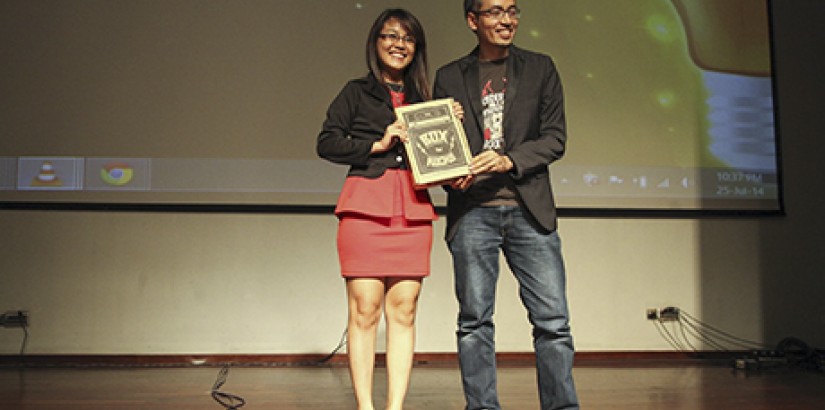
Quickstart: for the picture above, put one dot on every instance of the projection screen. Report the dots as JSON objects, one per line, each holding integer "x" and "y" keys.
{"x": 213, "y": 102}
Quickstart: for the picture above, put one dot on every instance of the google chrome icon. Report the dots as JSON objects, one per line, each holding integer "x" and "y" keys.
{"x": 116, "y": 173}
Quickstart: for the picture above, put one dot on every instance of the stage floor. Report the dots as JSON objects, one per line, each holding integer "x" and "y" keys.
{"x": 432, "y": 388}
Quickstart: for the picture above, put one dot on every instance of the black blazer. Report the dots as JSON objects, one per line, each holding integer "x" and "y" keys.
{"x": 357, "y": 118}
{"x": 534, "y": 128}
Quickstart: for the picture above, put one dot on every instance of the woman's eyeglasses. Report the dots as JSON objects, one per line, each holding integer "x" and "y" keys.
{"x": 394, "y": 38}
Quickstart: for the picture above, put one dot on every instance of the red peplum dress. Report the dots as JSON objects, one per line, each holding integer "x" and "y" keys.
{"x": 385, "y": 225}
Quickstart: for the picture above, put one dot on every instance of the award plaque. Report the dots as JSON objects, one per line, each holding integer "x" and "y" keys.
{"x": 437, "y": 148}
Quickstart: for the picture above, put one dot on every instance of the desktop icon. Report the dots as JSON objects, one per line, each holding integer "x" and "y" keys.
{"x": 47, "y": 176}
{"x": 116, "y": 173}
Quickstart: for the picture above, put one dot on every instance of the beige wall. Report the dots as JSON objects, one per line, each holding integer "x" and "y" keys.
{"x": 110, "y": 283}
{"x": 142, "y": 283}
{"x": 181, "y": 283}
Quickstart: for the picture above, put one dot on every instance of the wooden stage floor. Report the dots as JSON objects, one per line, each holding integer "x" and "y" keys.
{"x": 432, "y": 388}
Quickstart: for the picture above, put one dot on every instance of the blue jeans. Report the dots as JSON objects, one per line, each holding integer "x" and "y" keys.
{"x": 536, "y": 262}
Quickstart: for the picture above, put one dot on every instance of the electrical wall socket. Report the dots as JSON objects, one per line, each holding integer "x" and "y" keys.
{"x": 14, "y": 318}
{"x": 666, "y": 314}
{"x": 669, "y": 314}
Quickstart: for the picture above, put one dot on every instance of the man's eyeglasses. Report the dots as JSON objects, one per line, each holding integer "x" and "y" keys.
{"x": 394, "y": 38}
{"x": 498, "y": 13}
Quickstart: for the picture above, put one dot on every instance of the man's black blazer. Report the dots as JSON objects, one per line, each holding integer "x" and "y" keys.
{"x": 534, "y": 128}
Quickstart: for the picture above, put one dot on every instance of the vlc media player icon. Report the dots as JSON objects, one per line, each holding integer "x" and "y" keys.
{"x": 47, "y": 176}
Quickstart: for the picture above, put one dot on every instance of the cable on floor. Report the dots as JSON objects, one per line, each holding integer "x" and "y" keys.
{"x": 228, "y": 400}
{"x": 233, "y": 402}
{"x": 681, "y": 331}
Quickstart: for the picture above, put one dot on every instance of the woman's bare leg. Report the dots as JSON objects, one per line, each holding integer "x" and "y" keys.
{"x": 400, "y": 305}
{"x": 364, "y": 297}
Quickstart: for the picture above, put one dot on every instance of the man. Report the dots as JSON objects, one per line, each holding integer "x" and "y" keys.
{"x": 515, "y": 125}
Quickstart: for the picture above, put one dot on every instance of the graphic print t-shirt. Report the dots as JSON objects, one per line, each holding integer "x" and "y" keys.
{"x": 493, "y": 189}
{"x": 493, "y": 75}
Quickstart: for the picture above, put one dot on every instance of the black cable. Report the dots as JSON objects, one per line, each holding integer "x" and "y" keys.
{"x": 660, "y": 327}
{"x": 698, "y": 334}
{"x": 233, "y": 402}
{"x": 711, "y": 336}
{"x": 702, "y": 334}
{"x": 227, "y": 400}
{"x": 341, "y": 344}
{"x": 724, "y": 335}
{"x": 668, "y": 336}
{"x": 800, "y": 355}
{"x": 682, "y": 328}
{"x": 25, "y": 340}
{"x": 789, "y": 353}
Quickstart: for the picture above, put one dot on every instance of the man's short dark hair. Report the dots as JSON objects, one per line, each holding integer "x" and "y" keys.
{"x": 471, "y": 5}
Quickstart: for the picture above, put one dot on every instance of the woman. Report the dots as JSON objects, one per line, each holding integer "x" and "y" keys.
{"x": 385, "y": 225}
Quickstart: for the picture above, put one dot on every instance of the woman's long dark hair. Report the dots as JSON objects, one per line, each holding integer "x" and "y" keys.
{"x": 416, "y": 74}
